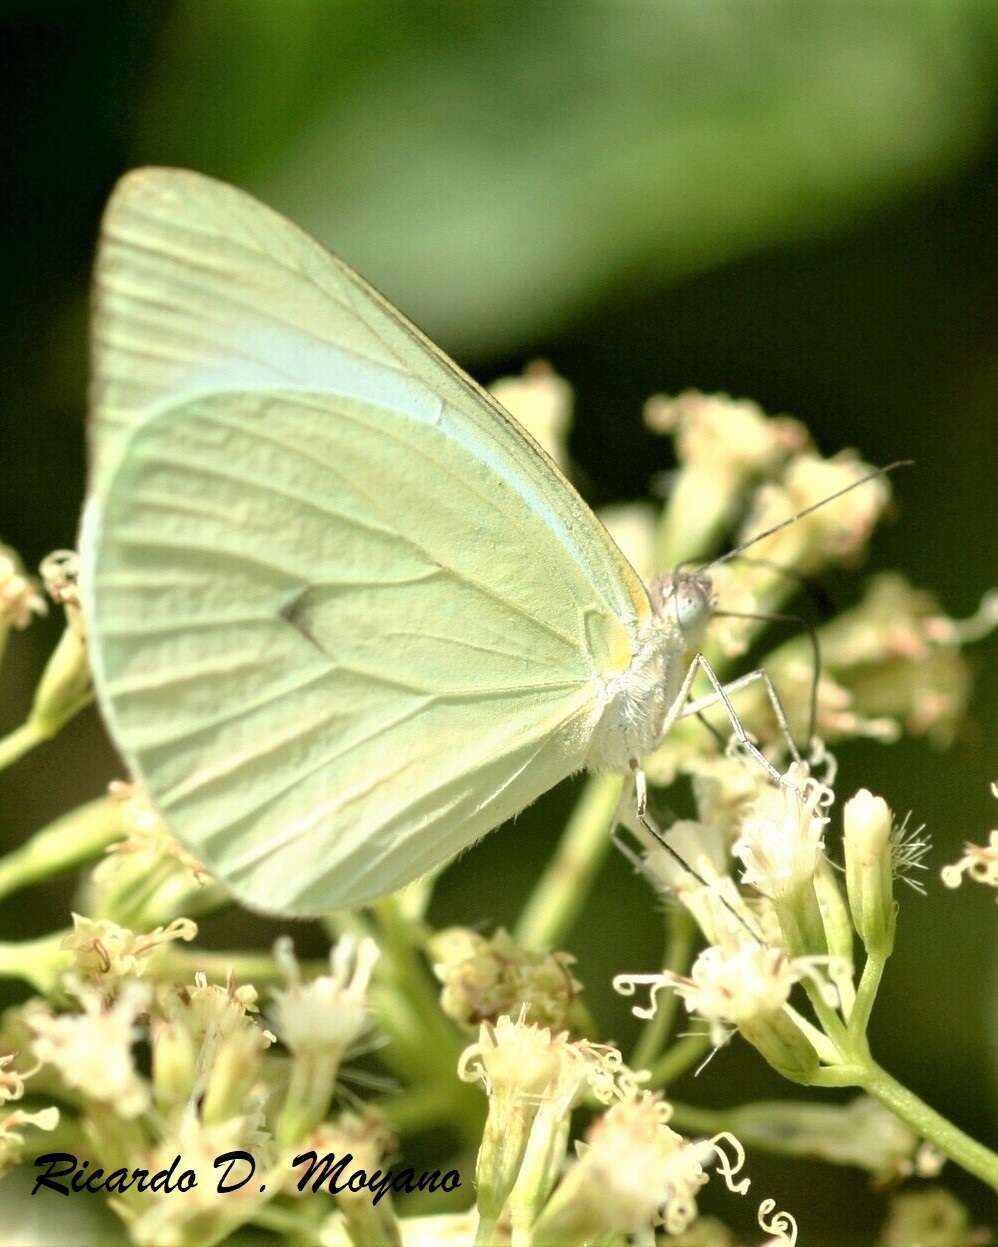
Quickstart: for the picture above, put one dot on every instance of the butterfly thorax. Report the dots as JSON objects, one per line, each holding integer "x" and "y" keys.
{"x": 637, "y": 701}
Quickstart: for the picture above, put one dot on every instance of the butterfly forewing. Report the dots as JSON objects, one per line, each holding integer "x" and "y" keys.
{"x": 345, "y": 616}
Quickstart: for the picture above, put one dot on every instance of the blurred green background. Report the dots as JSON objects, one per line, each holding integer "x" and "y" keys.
{"x": 795, "y": 202}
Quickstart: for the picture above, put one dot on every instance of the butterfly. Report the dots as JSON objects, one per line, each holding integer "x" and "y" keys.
{"x": 344, "y": 615}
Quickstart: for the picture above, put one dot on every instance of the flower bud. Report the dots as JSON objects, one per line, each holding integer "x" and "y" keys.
{"x": 65, "y": 687}
{"x": 486, "y": 978}
{"x": 867, "y": 828}
{"x": 174, "y": 1064}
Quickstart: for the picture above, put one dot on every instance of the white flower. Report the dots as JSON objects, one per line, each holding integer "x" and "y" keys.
{"x": 210, "y": 1016}
{"x": 319, "y": 1021}
{"x": 92, "y": 1050}
{"x": 634, "y": 1172}
{"x": 105, "y": 953}
{"x": 979, "y": 862}
{"x": 515, "y": 1058}
{"x": 632, "y": 1167}
{"x": 726, "y": 986}
{"x": 781, "y": 836}
{"x": 12, "y": 1088}
{"x": 329, "y": 1012}
{"x": 20, "y": 599}
{"x": 533, "y": 1077}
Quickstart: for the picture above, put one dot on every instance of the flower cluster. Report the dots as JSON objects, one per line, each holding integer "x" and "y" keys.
{"x": 216, "y": 1082}
{"x": 632, "y": 1171}
{"x": 798, "y": 931}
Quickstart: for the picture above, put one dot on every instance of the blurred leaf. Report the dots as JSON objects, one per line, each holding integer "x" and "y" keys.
{"x": 492, "y": 166}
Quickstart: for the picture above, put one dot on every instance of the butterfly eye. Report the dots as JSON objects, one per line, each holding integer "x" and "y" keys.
{"x": 692, "y": 603}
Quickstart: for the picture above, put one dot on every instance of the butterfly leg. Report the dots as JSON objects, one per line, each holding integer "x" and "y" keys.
{"x": 722, "y": 694}
{"x": 658, "y": 836}
{"x": 640, "y": 788}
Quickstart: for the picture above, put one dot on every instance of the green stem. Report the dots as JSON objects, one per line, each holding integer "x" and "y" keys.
{"x": 959, "y": 1147}
{"x": 486, "y": 1233}
{"x": 309, "y": 1091}
{"x": 683, "y": 1054}
{"x": 678, "y": 950}
{"x": 288, "y": 1222}
{"x": 411, "y": 977}
{"x": 21, "y": 740}
{"x": 39, "y": 962}
{"x": 565, "y": 884}
{"x": 62, "y": 692}
{"x": 259, "y": 969}
{"x": 407, "y": 988}
{"x": 831, "y": 1023}
{"x": 866, "y": 994}
{"x": 75, "y": 838}
{"x": 848, "y": 1075}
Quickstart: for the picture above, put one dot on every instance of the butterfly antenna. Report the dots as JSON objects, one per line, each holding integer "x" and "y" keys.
{"x": 813, "y": 587}
{"x": 799, "y": 515}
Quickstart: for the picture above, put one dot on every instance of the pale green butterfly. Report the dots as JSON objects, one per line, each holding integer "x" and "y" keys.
{"x": 345, "y": 616}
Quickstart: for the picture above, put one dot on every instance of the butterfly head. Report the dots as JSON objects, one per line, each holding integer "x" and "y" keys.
{"x": 686, "y": 598}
